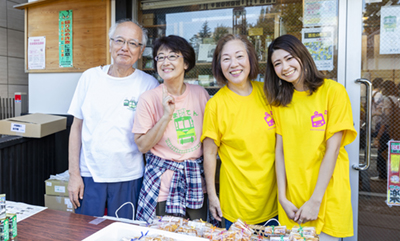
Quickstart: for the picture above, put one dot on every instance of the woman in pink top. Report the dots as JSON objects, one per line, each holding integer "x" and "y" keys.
{"x": 168, "y": 126}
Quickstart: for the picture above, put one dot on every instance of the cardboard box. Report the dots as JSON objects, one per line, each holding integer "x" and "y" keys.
{"x": 148, "y": 19}
{"x": 58, "y": 203}
{"x": 33, "y": 125}
{"x": 56, "y": 187}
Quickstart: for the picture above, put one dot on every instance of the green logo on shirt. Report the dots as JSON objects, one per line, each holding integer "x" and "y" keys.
{"x": 130, "y": 104}
{"x": 184, "y": 126}
{"x": 185, "y": 131}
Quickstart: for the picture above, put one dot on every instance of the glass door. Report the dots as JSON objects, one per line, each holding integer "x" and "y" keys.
{"x": 377, "y": 62}
{"x": 362, "y": 41}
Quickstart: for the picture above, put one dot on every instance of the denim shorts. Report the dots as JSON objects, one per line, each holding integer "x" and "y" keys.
{"x": 99, "y": 196}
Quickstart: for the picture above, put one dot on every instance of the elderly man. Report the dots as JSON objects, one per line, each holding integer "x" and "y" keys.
{"x": 105, "y": 165}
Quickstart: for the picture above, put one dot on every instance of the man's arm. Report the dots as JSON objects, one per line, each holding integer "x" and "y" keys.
{"x": 75, "y": 185}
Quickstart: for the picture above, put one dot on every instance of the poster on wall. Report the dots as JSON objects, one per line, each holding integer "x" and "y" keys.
{"x": 319, "y": 42}
{"x": 37, "y": 52}
{"x": 206, "y": 52}
{"x": 393, "y": 181}
{"x": 65, "y": 38}
{"x": 390, "y": 30}
{"x": 320, "y": 12}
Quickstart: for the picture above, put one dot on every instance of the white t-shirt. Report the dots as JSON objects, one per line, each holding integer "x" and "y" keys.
{"x": 107, "y": 106}
{"x": 377, "y": 95}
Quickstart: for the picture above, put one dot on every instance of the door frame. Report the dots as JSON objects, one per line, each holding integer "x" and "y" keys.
{"x": 349, "y": 69}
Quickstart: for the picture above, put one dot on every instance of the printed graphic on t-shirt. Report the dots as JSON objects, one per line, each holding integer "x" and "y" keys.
{"x": 185, "y": 130}
{"x": 131, "y": 103}
{"x": 184, "y": 126}
{"x": 268, "y": 118}
{"x": 318, "y": 120}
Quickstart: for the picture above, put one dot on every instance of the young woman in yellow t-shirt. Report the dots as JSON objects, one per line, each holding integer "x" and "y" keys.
{"x": 238, "y": 125}
{"x": 314, "y": 122}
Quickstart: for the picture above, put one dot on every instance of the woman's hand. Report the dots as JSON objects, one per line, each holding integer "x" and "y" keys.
{"x": 215, "y": 207}
{"x": 168, "y": 103}
{"x": 289, "y": 208}
{"x": 308, "y": 212}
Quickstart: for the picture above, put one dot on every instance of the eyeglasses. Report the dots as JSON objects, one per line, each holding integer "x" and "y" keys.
{"x": 170, "y": 57}
{"x": 131, "y": 43}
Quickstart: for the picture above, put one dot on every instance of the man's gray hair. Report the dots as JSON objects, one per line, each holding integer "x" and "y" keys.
{"x": 144, "y": 31}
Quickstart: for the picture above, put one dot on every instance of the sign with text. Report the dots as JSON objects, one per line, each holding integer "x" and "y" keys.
{"x": 65, "y": 38}
{"x": 319, "y": 42}
{"x": 393, "y": 181}
{"x": 319, "y": 12}
{"x": 390, "y": 30}
{"x": 36, "y": 52}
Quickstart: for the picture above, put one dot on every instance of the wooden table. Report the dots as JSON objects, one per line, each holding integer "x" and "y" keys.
{"x": 58, "y": 225}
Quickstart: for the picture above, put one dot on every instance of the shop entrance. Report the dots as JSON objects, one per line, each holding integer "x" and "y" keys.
{"x": 349, "y": 40}
{"x": 379, "y": 64}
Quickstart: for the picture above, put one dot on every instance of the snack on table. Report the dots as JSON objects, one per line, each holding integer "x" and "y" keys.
{"x": 187, "y": 230}
{"x": 305, "y": 231}
{"x": 156, "y": 237}
{"x": 268, "y": 230}
{"x": 298, "y": 237}
{"x": 258, "y": 238}
{"x": 258, "y": 229}
{"x": 282, "y": 238}
{"x": 199, "y": 223}
{"x": 170, "y": 226}
{"x": 243, "y": 229}
{"x": 212, "y": 232}
{"x": 229, "y": 236}
{"x": 173, "y": 219}
{"x": 275, "y": 231}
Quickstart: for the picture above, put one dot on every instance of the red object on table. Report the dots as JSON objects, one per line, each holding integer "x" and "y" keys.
{"x": 58, "y": 225}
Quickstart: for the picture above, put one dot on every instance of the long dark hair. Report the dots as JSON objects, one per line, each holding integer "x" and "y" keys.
{"x": 280, "y": 92}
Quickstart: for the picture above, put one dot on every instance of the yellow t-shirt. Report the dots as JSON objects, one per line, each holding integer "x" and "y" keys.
{"x": 305, "y": 125}
{"x": 244, "y": 131}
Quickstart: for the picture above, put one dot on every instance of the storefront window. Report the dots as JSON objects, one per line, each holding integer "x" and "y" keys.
{"x": 314, "y": 22}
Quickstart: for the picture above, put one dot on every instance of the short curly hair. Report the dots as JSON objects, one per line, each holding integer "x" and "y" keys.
{"x": 176, "y": 44}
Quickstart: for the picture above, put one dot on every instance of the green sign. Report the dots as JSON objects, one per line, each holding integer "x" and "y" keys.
{"x": 65, "y": 38}
{"x": 395, "y": 147}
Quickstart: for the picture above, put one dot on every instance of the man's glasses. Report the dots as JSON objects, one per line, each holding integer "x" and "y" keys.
{"x": 131, "y": 43}
{"x": 170, "y": 57}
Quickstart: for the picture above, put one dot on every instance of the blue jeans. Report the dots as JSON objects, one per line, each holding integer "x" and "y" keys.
{"x": 99, "y": 196}
{"x": 228, "y": 223}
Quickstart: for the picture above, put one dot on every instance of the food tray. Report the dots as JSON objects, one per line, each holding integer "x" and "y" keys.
{"x": 116, "y": 231}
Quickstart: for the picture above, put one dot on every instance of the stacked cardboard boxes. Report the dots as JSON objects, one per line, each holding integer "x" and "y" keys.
{"x": 56, "y": 196}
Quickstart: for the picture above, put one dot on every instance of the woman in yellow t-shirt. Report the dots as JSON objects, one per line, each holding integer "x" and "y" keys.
{"x": 238, "y": 125}
{"x": 313, "y": 124}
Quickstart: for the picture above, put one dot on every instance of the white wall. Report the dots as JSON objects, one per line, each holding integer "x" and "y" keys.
{"x": 51, "y": 93}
